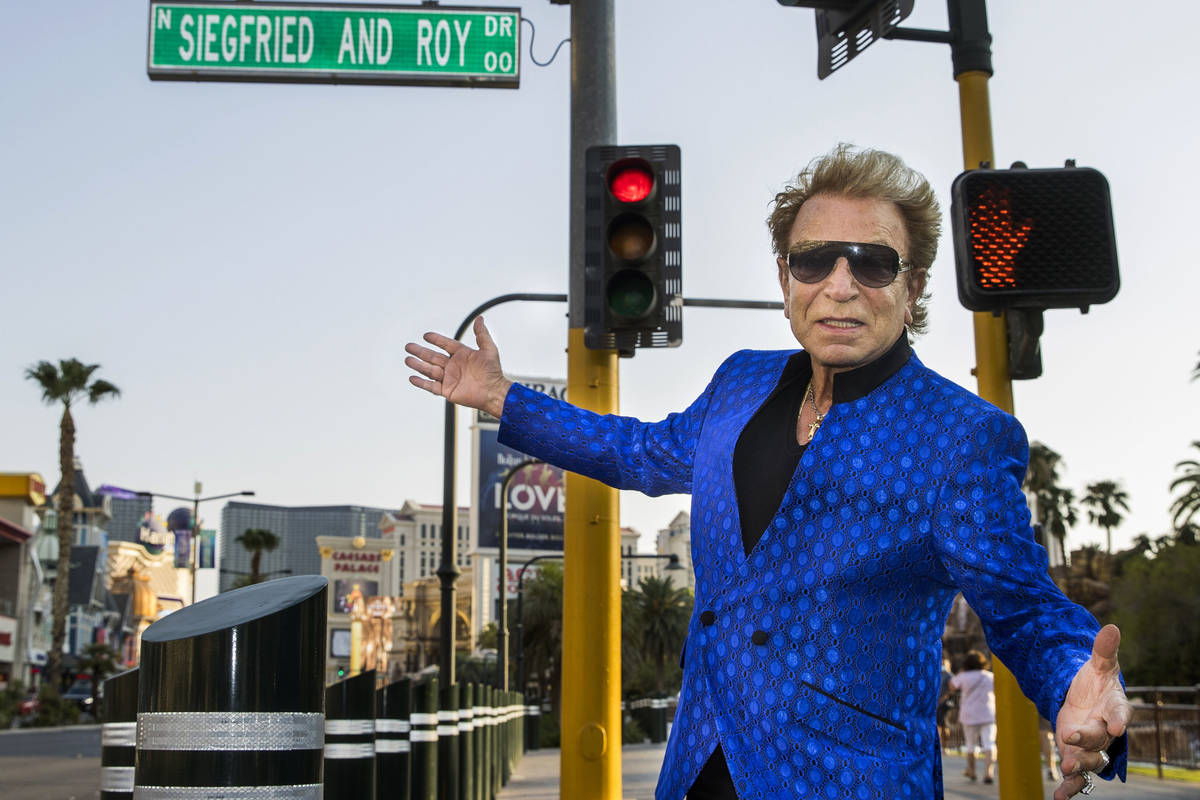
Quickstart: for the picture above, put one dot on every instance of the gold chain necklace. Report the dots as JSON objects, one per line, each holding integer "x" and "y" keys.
{"x": 813, "y": 427}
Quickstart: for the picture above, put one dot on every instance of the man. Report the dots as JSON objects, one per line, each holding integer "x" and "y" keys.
{"x": 841, "y": 495}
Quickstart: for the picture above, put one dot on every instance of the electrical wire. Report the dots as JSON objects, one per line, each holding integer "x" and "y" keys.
{"x": 532, "y": 35}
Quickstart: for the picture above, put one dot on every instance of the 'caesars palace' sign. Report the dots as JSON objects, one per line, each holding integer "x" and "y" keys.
{"x": 352, "y": 561}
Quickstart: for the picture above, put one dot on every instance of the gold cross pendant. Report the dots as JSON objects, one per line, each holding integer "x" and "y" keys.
{"x": 812, "y": 429}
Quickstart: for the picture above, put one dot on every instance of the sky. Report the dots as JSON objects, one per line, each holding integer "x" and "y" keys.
{"x": 246, "y": 261}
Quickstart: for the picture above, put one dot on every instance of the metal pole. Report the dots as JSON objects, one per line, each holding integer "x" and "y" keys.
{"x": 447, "y": 570}
{"x": 502, "y": 628}
{"x": 1019, "y": 768}
{"x": 195, "y": 538}
{"x": 1158, "y": 742}
{"x": 591, "y": 715}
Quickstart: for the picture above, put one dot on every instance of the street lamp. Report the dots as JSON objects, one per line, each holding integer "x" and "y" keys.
{"x": 502, "y": 627}
{"x": 673, "y": 565}
{"x": 195, "y": 500}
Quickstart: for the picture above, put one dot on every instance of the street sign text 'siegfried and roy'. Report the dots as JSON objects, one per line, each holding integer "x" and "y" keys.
{"x": 330, "y": 43}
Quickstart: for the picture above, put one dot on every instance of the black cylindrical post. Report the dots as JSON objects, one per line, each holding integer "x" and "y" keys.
{"x": 424, "y": 738}
{"x": 231, "y": 696}
{"x": 484, "y": 719}
{"x": 533, "y": 719}
{"x": 447, "y": 730}
{"x": 350, "y": 738}
{"x": 494, "y": 704}
{"x": 477, "y": 742}
{"x": 118, "y": 736}
{"x": 466, "y": 743}
{"x": 393, "y": 756}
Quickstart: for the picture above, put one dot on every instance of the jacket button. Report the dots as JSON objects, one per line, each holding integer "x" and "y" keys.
{"x": 759, "y": 637}
{"x": 708, "y": 618}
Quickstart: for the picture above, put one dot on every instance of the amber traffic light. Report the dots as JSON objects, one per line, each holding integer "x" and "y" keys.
{"x": 632, "y": 285}
{"x": 1033, "y": 238}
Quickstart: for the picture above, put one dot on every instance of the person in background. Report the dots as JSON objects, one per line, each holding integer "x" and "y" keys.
{"x": 945, "y": 703}
{"x": 977, "y": 713}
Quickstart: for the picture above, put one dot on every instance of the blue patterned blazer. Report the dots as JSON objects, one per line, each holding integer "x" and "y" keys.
{"x": 815, "y": 661}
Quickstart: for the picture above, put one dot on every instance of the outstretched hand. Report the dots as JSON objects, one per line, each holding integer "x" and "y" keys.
{"x": 1094, "y": 713}
{"x": 460, "y": 373}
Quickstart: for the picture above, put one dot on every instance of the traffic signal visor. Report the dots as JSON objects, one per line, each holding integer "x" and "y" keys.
{"x": 1033, "y": 238}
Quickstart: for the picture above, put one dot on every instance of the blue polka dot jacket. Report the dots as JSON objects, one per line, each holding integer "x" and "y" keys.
{"x": 815, "y": 660}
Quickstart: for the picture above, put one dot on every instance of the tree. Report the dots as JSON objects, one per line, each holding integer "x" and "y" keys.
{"x": 542, "y": 611}
{"x": 1055, "y": 504}
{"x": 661, "y": 613}
{"x": 1105, "y": 500}
{"x": 1157, "y": 606}
{"x": 99, "y": 660}
{"x": 1186, "y": 505}
{"x": 489, "y": 637}
{"x": 257, "y": 541}
{"x": 69, "y": 382}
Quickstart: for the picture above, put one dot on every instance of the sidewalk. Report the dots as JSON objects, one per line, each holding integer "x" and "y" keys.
{"x": 536, "y": 778}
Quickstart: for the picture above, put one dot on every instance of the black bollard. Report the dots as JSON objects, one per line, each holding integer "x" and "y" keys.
{"x": 231, "y": 696}
{"x": 484, "y": 718}
{"x": 532, "y": 712}
{"x": 393, "y": 757}
{"x": 448, "y": 743}
{"x": 466, "y": 742}
{"x": 424, "y": 738}
{"x": 477, "y": 745}
{"x": 494, "y": 731}
{"x": 118, "y": 736}
{"x": 350, "y": 738}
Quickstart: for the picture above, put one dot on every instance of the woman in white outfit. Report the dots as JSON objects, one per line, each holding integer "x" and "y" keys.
{"x": 977, "y": 713}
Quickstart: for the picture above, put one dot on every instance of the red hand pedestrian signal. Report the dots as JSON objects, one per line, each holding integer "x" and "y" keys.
{"x": 996, "y": 238}
{"x": 1033, "y": 238}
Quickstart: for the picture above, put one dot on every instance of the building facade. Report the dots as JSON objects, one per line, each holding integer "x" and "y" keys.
{"x": 297, "y": 528}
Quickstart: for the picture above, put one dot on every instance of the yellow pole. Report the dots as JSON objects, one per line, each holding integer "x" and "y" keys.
{"x": 356, "y": 643}
{"x": 591, "y": 670}
{"x": 1019, "y": 768}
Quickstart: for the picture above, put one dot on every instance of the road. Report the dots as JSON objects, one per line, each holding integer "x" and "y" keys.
{"x": 50, "y": 764}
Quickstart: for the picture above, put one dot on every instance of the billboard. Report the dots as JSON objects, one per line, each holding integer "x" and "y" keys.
{"x": 536, "y": 495}
{"x": 346, "y": 592}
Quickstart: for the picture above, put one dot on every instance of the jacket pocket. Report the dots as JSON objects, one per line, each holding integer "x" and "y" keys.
{"x": 851, "y": 725}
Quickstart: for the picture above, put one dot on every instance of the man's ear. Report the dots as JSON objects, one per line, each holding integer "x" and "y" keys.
{"x": 916, "y": 288}
{"x": 784, "y": 279}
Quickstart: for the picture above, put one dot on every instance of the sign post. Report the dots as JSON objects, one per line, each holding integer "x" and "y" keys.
{"x": 216, "y": 40}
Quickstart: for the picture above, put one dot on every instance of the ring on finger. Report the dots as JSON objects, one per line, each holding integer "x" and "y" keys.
{"x": 1088, "y": 786}
{"x": 1105, "y": 761}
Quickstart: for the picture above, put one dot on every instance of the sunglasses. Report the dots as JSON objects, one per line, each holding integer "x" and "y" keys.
{"x": 873, "y": 265}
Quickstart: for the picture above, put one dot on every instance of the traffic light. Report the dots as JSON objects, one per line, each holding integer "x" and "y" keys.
{"x": 846, "y": 27}
{"x": 1033, "y": 238}
{"x": 633, "y": 291}
{"x": 341, "y": 672}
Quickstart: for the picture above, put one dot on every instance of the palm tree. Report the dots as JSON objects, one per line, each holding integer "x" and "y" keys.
{"x": 1105, "y": 500}
{"x": 67, "y": 383}
{"x": 662, "y": 612}
{"x": 542, "y": 613}
{"x": 1187, "y": 505}
{"x": 1055, "y": 504}
{"x": 257, "y": 541}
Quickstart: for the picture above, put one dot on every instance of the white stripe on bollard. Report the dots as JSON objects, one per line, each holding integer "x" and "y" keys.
{"x": 339, "y": 750}
{"x": 349, "y": 727}
{"x": 305, "y": 791}
{"x": 116, "y": 779}
{"x": 230, "y": 730}
{"x": 118, "y": 734}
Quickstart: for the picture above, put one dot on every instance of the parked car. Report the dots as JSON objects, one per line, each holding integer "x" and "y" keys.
{"x": 80, "y": 694}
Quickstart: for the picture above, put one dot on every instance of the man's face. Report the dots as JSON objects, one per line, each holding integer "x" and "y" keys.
{"x": 840, "y": 322}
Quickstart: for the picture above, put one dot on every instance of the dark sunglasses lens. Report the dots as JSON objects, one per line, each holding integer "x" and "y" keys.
{"x": 811, "y": 266}
{"x": 874, "y": 266}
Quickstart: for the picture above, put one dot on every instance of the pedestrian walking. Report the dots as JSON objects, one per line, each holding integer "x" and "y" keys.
{"x": 977, "y": 713}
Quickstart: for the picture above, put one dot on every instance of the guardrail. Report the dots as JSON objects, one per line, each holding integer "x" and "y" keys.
{"x": 1163, "y": 732}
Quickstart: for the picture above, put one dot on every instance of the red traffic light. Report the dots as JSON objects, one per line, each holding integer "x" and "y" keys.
{"x": 1033, "y": 238}
{"x": 631, "y": 180}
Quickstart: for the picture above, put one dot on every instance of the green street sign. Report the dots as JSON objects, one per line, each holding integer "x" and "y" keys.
{"x": 217, "y": 40}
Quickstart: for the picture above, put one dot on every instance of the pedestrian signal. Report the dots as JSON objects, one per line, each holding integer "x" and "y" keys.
{"x": 633, "y": 292}
{"x": 1033, "y": 238}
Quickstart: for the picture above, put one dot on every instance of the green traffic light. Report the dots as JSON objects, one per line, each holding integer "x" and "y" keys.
{"x": 630, "y": 293}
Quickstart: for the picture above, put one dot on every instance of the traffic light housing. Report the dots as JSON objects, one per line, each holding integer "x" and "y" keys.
{"x": 632, "y": 248}
{"x": 1033, "y": 238}
{"x": 847, "y": 27}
